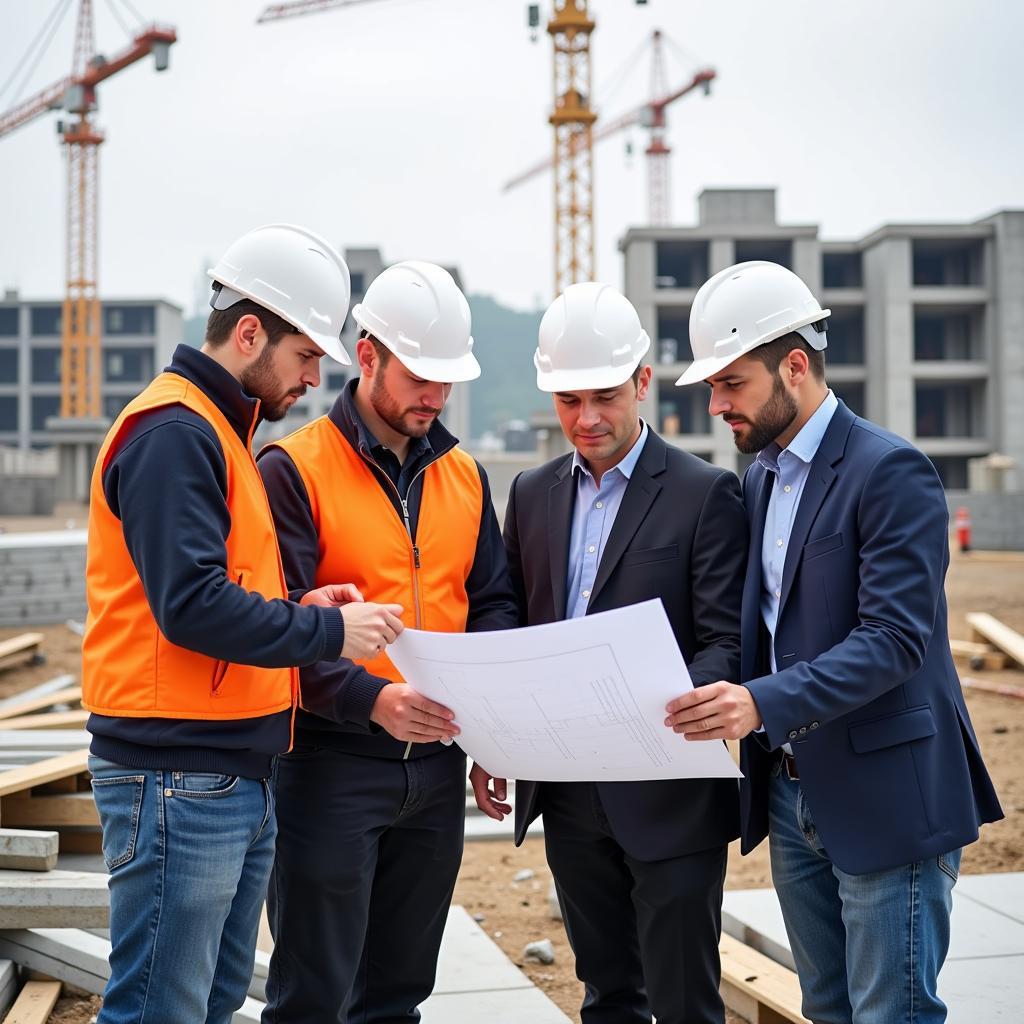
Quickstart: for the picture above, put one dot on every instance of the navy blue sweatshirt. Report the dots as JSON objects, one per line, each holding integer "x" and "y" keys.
{"x": 339, "y": 696}
{"x": 167, "y": 483}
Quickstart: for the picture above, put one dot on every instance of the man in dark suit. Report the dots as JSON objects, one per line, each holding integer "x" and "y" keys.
{"x": 859, "y": 757}
{"x": 638, "y": 866}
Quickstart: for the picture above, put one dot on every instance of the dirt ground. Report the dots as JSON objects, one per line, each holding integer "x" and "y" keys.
{"x": 515, "y": 913}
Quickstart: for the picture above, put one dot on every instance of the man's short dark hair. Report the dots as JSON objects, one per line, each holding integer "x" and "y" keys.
{"x": 222, "y": 322}
{"x": 772, "y": 354}
{"x": 383, "y": 352}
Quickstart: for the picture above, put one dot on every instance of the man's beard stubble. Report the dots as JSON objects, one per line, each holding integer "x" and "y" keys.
{"x": 260, "y": 381}
{"x": 771, "y": 420}
{"x": 394, "y": 416}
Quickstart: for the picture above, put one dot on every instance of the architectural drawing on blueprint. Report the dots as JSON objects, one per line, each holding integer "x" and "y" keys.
{"x": 566, "y": 701}
{"x": 598, "y": 717}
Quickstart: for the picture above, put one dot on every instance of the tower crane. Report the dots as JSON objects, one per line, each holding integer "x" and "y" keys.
{"x": 650, "y": 115}
{"x": 570, "y": 27}
{"x": 76, "y": 96}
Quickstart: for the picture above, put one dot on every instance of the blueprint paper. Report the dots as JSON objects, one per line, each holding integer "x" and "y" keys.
{"x": 573, "y": 701}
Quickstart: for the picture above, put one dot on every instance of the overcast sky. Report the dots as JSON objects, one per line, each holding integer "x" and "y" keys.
{"x": 394, "y": 123}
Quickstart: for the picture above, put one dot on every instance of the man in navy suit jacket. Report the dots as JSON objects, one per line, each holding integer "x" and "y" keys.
{"x": 860, "y": 761}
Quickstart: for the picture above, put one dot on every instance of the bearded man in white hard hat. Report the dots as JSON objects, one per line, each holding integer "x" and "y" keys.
{"x": 371, "y": 802}
{"x": 859, "y": 759}
{"x": 638, "y": 866}
{"x": 190, "y": 641}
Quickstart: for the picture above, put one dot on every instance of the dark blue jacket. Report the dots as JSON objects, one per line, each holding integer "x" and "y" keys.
{"x": 167, "y": 483}
{"x": 340, "y": 695}
{"x": 866, "y": 690}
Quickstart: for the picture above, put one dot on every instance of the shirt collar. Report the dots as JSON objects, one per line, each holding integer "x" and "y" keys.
{"x": 807, "y": 442}
{"x": 625, "y": 466}
{"x": 220, "y": 386}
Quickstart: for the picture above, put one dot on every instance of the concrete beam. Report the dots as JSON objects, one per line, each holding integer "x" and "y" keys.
{"x": 76, "y": 899}
{"x": 27, "y": 850}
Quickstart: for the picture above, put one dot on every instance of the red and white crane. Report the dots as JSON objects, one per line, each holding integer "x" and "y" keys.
{"x": 652, "y": 116}
{"x": 75, "y": 95}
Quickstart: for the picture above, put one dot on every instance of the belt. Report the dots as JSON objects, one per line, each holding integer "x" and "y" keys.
{"x": 788, "y": 767}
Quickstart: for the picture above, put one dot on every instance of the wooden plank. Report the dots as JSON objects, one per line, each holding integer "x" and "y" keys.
{"x": 35, "y": 1003}
{"x": 17, "y": 648}
{"x": 772, "y": 989}
{"x": 69, "y": 695}
{"x": 51, "y": 720}
{"x": 80, "y": 840}
{"x": 20, "y": 780}
{"x": 57, "y": 683}
{"x": 49, "y": 811}
{"x": 997, "y": 633}
{"x": 978, "y": 656}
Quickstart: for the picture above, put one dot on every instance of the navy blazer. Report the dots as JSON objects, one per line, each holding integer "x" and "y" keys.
{"x": 680, "y": 535}
{"x": 866, "y": 691}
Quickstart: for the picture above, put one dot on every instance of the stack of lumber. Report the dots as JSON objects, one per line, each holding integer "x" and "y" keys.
{"x": 993, "y": 646}
{"x": 17, "y": 650}
{"x": 45, "y": 805}
{"x": 45, "y": 707}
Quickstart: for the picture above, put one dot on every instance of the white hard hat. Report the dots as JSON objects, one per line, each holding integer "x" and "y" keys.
{"x": 417, "y": 311}
{"x": 590, "y": 338}
{"x": 745, "y": 306}
{"x": 293, "y": 273}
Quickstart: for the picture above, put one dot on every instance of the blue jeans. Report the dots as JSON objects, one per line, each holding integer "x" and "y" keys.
{"x": 189, "y": 855}
{"x": 868, "y": 948}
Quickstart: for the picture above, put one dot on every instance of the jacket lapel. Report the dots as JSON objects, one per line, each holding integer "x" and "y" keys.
{"x": 641, "y": 490}
{"x": 561, "y": 497}
{"x": 819, "y": 483}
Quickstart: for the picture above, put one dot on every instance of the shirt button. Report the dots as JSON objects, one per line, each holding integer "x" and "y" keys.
{"x": 814, "y": 725}
{"x": 598, "y": 504}
{"x": 787, "y": 488}
{"x": 778, "y": 593}
{"x": 586, "y": 593}
{"x": 803, "y": 729}
{"x": 793, "y": 734}
{"x": 591, "y": 549}
{"x": 778, "y": 543}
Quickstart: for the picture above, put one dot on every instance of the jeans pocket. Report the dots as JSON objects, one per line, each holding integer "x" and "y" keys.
{"x": 119, "y": 802}
{"x": 203, "y": 785}
{"x": 950, "y": 864}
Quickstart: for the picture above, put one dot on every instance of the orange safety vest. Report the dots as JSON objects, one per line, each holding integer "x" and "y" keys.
{"x": 364, "y": 541}
{"x": 129, "y": 668}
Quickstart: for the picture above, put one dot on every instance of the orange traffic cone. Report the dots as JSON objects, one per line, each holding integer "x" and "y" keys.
{"x": 963, "y": 528}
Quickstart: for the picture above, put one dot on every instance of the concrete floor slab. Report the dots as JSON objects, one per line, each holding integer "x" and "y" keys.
{"x": 983, "y": 979}
{"x": 1003, "y": 892}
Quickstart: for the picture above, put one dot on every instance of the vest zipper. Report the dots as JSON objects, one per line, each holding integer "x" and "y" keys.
{"x": 417, "y": 614}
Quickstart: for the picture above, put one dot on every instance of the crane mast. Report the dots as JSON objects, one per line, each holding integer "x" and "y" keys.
{"x": 81, "y": 329}
{"x": 572, "y": 119}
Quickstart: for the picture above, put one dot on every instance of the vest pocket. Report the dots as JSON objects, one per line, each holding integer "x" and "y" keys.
{"x": 220, "y": 668}
{"x": 119, "y": 802}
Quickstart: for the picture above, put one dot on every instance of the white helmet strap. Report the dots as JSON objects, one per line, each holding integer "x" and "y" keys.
{"x": 814, "y": 334}
{"x": 223, "y": 297}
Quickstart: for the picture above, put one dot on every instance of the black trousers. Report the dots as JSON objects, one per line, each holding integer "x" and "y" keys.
{"x": 645, "y": 933}
{"x": 367, "y": 854}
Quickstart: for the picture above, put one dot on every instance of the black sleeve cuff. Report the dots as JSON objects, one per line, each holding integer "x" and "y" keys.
{"x": 360, "y": 695}
{"x": 334, "y": 633}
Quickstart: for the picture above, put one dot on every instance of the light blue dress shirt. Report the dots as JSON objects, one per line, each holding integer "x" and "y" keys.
{"x": 592, "y": 520}
{"x": 791, "y": 467}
